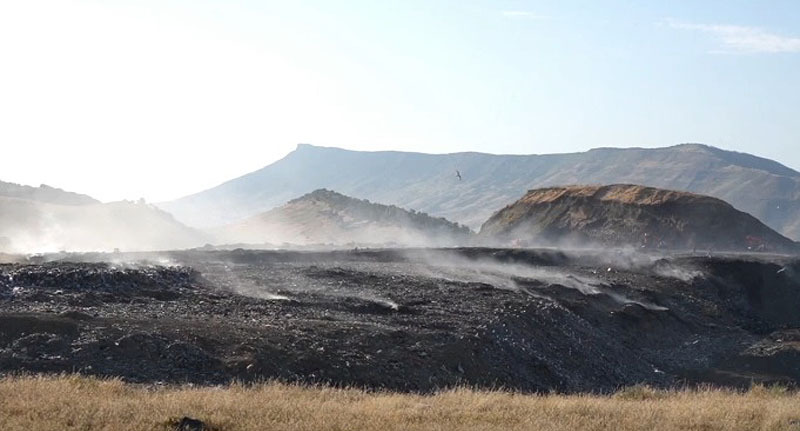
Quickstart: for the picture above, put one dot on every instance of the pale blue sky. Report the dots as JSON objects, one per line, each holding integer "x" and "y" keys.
{"x": 120, "y": 95}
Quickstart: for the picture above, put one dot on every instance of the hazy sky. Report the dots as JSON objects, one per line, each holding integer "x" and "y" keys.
{"x": 163, "y": 98}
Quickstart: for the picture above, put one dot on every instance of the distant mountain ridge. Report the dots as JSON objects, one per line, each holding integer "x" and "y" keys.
{"x": 327, "y": 217}
{"x": 428, "y": 182}
{"x": 630, "y": 215}
{"x": 44, "y": 193}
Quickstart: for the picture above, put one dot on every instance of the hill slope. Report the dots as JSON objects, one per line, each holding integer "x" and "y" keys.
{"x": 619, "y": 215}
{"x": 28, "y": 226}
{"x": 426, "y": 182}
{"x": 44, "y": 193}
{"x": 327, "y": 217}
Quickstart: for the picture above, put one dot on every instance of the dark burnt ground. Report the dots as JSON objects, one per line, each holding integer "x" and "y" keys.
{"x": 414, "y": 320}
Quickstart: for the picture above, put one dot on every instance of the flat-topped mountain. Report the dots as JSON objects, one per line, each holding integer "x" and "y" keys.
{"x": 326, "y": 217}
{"x": 630, "y": 215}
{"x": 428, "y": 182}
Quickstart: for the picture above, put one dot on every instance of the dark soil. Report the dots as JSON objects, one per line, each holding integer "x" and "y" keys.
{"x": 410, "y": 320}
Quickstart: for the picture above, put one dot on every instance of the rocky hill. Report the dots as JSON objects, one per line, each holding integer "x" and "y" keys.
{"x": 28, "y": 226}
{"x": 327, "y": 217}
{"x": 630, "y": 215}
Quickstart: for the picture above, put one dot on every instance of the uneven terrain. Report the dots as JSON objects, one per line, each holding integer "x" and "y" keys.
{"x": 406, "y": 320}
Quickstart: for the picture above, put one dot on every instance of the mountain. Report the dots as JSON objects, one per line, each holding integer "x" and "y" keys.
{"x": 427, "y": 182}
{"x": 30, "y": 226}
{"x": 327, "y": 217}
{"x": 630, "y": 215}
{"x": 44, "y": 193}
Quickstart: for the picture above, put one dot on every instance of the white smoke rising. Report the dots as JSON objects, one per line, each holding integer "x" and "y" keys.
{"x": 507, "y": 276}
{"x": 225, "y": 276}
{"x": 678, "y": 273}
{"x": 37, "y": 227}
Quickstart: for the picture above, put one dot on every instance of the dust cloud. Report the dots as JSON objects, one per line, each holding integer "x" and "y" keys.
{"x": 34, "y": 227}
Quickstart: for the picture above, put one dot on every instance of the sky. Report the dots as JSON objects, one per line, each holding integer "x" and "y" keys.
{"x": 159, "y": 99}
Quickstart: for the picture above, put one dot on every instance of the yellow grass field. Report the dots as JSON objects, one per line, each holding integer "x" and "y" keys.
{"x": 78, "y": 403}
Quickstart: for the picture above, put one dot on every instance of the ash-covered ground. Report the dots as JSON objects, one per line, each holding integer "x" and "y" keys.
{"x": 409, "y": 320}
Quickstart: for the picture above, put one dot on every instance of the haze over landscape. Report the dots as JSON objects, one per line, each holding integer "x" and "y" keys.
{"x": 121, "y": 96}
{"x": 512, "y": 214}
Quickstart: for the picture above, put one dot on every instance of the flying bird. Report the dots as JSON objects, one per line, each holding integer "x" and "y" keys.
{"x": 458, "y": 174}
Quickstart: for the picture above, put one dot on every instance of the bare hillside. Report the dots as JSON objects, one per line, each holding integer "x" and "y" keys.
{"x": 629, "y": 215}
{"x": 327, "y": 217}
{"x": 44, "y": 193}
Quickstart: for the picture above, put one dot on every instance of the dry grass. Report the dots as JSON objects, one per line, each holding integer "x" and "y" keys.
{"x": 623, "y": 193}
{"x": 76, "y": 403}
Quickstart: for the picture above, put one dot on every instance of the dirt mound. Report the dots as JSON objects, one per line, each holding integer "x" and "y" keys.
{"x": 626, "y": 194}
{"x": 327, "y": 217}
{"x": 630, "y": 215}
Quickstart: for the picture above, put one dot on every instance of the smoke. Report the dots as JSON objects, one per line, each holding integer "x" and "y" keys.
{"x": 632, "y": 259}
{"x": 326, "y": 218}
{"x": 670, "y": 270}
{"x": 224, "y": 275}
{"x": 380, "y": 301}
{"x": 285, "y": 281}
{"x": 36, "y": 227}
{"x": 448, "y": 265}
{"x": 269, "y": 235}
{"x": 622, "y": 299}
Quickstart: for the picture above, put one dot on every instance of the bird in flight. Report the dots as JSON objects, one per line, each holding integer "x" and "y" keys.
{"x": 458, "y": 174}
